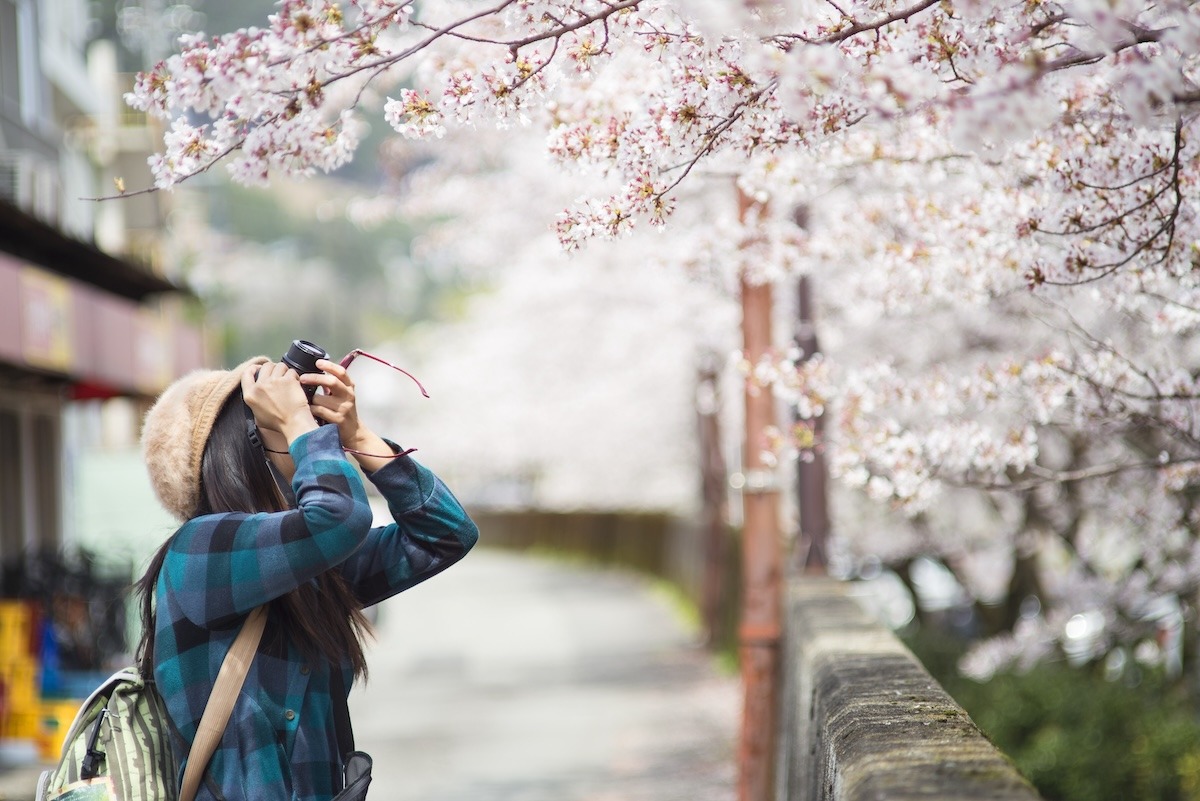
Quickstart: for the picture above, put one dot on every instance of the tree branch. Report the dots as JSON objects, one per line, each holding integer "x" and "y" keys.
{"x": 855, "y": 27}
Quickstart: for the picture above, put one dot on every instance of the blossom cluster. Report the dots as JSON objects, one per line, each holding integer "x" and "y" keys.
{"x": 275, "y": 100}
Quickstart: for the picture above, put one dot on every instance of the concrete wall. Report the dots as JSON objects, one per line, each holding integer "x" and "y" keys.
{"x": 862, "y": 719}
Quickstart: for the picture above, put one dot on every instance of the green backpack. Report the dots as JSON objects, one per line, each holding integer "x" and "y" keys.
{"x": 117, "y": 748}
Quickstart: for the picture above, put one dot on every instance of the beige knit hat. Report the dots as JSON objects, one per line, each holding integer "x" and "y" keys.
{"x": 176, "y": 430}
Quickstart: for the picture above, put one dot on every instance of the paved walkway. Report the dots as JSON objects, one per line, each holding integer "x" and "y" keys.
{"x": 509, "y": 678}
{"x": 512, "y": 678}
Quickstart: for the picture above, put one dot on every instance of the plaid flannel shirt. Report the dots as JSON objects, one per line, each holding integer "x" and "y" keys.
{"x": 280, "y": 742}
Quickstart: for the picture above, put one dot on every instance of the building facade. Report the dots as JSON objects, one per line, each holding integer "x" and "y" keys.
{"x": 88, "y": 309}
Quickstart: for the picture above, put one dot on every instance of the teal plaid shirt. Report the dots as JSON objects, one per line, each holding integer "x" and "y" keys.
{"x": 280, "y": 742}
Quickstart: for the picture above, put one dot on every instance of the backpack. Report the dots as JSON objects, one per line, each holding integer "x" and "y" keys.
{"x": 120, "y": 739}
{"x": 118, "y": 747}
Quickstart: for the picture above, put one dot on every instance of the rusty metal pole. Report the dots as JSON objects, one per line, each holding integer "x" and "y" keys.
{"x": 812, "y": 554}
{"x": 762, "y": 604}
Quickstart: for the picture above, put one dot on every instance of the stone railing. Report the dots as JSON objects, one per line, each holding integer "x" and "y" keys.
{"x": 862, "y": 720}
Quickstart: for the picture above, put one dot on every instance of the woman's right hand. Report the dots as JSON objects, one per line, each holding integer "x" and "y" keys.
{"x": 273, "y": 392}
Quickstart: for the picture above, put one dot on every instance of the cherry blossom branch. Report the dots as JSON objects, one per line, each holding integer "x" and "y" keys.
{"x": 323, "y": 43}
{"x": 1167, "y": 226}
{"x": 856, "y": 27}
{"x": 1140, "y": 37}
{"x": 558, "y": 33}
{"x": 447, "y": 30}
{"x": 123, "y": 193}
{"x": 1111, "y": 221}
{"x": 1044, "y": 477}
{"x": 374, "y": 65}
{"x": 712, "y": 136}
{"x": 1116, "y": 393}
{"x": 1172, "y": 302}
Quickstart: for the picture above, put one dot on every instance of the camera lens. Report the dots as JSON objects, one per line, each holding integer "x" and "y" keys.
{"x": 302, "y": 356}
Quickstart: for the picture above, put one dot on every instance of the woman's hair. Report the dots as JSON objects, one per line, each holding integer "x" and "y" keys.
{"x": 322, "y": 617}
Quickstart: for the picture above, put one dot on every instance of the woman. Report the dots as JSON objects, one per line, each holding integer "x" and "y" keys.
{"x": 275, "y": 513}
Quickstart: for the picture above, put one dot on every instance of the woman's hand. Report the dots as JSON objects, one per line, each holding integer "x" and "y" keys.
{"x": 338, "y": 405}
{"x": 274, "y": 394}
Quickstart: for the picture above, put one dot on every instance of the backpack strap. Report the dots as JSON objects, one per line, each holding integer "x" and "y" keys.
{"x": 220, "y": 703}
{"x": 355, "y": 766}
{"x": 341, "y": 711}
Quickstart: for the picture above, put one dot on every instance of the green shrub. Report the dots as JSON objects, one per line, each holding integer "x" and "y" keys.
{"x": 1078, "y": 736}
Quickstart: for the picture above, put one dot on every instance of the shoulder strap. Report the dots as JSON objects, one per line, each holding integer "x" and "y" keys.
{"x": 220, "y": 703}
{"x": 341, "y": 711}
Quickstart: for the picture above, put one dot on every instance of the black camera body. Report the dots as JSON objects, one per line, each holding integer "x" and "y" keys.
{"x": 302, "y": 357}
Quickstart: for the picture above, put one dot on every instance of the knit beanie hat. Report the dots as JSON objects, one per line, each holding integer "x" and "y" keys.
{"x": 176, "y": 430}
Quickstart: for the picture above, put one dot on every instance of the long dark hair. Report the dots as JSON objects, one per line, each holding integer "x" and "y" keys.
{"x": 322, "y": 618}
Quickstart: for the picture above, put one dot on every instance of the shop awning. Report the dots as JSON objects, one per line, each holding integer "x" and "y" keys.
{"x": 27, "y": 238}
{"x": 74, "y": 315}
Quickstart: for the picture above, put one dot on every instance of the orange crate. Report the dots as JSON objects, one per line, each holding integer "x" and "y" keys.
{"x": 20, "y": 681}
{"x": 22, "y": 725}
{"x": 53, "y": 725}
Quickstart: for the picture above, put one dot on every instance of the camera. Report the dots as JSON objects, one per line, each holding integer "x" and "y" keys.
{"x": 302, "y": 357}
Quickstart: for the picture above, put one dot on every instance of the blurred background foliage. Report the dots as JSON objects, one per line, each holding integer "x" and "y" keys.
{"x": 360, "y": 285}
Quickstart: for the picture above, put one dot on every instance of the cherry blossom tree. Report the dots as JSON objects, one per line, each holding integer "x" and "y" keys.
{"x": 998, "y": 199}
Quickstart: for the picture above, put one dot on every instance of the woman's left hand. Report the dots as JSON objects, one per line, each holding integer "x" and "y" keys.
{"x": 337, "y": 403}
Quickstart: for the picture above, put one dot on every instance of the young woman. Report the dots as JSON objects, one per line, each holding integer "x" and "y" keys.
{"x": 275, "y": 513}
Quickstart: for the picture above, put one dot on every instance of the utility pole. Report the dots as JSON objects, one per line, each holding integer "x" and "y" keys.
{"x": 762, "y": 601}
{"x": 812, "y": 554}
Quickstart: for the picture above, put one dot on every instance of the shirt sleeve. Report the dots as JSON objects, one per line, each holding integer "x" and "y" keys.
{"x": 221, "y": 566}
{"x": 431, "y": 532}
